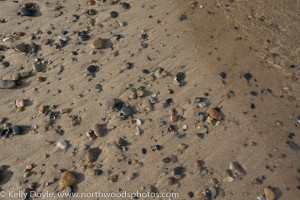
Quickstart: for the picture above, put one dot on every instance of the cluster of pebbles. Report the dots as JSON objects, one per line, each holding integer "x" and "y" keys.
{"x": 207, "y": 116}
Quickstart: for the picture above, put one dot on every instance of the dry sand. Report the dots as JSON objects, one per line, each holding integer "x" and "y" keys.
{"x": 235, "y": 37}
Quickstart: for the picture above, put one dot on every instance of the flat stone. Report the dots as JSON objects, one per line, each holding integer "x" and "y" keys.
{"x": 114, "y": 14}
{"x": 214, "y": 114}
{"x": 7, "y": 84}
{"x": 63, "y": 144}
{"x": 178, "y": 171}
{"x": 17, "y": 130}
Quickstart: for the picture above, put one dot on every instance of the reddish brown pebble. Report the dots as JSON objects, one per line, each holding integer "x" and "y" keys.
{"x": 191, "y": 194}
{"x": 114, "y": 178}
{"x": 171, "y": 181}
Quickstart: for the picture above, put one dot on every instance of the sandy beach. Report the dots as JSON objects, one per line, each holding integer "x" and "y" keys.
{"x": 196, "y": 99}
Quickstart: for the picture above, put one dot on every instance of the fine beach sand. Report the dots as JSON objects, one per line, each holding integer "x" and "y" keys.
{"x": 230, "y": 36}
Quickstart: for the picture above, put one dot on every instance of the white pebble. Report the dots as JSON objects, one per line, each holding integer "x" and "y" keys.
{"x": 138, "y": 122}
{"x": 63, "y": 144}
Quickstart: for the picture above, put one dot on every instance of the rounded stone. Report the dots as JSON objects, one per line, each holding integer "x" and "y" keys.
{"x": 21, "y": 47}
{"x": 17, "y": 130}
{"x": 171, "y": 181}
{"x": 98, "y": 172}
{"x": 37, "y": 67}
{"x": 178, "y": 171}
{"x": 270, "y": 195}
{"x": 63, "y": 144}
{"x": 98, "y": 88}
{"x": 5, "y": 64}
{"x": 98, "y": 43}
{"x": 126, "y": 111}
{"x": 67, "y": 179}
{"x": 114, "y": 14}
{"x": 99, "y": 130}
{"x": 92, "y": 69}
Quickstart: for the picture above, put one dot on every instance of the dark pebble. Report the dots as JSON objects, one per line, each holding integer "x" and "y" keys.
{"x": 178, "y": 171}
{"x": 114, "y": 14}
{"x": 252, "y": 106}
{"x": 166, "y": 160}
{"x": 98, "y": 88}
{"x": 92, "y": 69}
{"x": 156, "y": 147}
{"x": 223, "y": 75}
{"x": 98, "y": 172}
{"x": 253, "y": 93}
{"x": 144, "y": 45}
{"x": 125, "y": 5}
{"x": 182, "y": 17}
{"x": 144, "y": 36}
{"x": 145, "y": 71}
{"x": 84, "y": 37}
{"x": 5, "y": 64}
{"x": 190, "y": 194}
{"x": 144, "y": 151}
{"x": 248, "y": 76}
{"x": 180, "y": 76}
{"x": 122, "y": 142}
{"x": 26, "y": 11}
{"x": 17, "y": 130}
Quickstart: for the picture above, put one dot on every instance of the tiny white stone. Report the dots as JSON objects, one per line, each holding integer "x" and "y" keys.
{"x": 6, "y": 39}
{"x": 203, "y": 104}
{"x": 138, "y": 122}
{"x": 137, "y": 131}
{"x": 184, "y": 127}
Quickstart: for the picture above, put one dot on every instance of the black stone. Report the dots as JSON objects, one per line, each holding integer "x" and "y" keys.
{"x": 178, "y": 171}
{"x": 24, "y": 11}
{"x": 5, "y": 64}
{"x": 223, "y": 75}
{"x": 125, "y": 5}
{"x": 180, "y": 76}
{"x": 98, "y": 172}
{"x": 253, "y": 93}
{"x": 144, "y": 151}
{"x": 17, "y": 130}
{"x": 144, "y": 36}
{"x": 166, "y": 160}
{"x": 84, "y": 37}
{"x": 248, "y": 76}
{"x": 252, "y": 106}
{"x": 190, "y": 194}
{"x": 122, "y": 142}
{"x": 182, "y": 17}
{"x": 145, "y": 71}
{"x": 92, "y": 69}
{"x": 114, "y": 14}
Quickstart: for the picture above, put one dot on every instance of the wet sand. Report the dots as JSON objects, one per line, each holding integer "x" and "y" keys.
{"x": 215, "y": 37}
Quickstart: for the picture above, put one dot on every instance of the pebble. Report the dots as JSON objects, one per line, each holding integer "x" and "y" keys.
{"x": 166, "y": 160}
{"x": 21, "y": 47}
{"x": 248, "y": 76}
{"x": 178, "y": 171}
{"x": 25, "y": 74}
{"x": 99, "y": 130}
{"x": 98, "y": 43}
{"x": 144, "y": 151}
{"x": 98, "y": 88}
{"x": 98, "y": 172}
{"x": 171, "y": 181}
{"x": 126, "y": 111}
{"x": 7, "y": 84}
{"x": 37, "y": 67}
{"x": 190, "y": 194}
{"x": 261, "y": 197}
{"x": 64, "y": 110}
{"x": 5, "y": 64}
{"x": 67, "y": 179}
{"x": 133, "y": 176}
{"x": 223, "y": 75}
{"x": 125, "y": 5}
{"x": 147, "y": 105}
{"x": 270, "y": 195}
{"x": 138, "y": 131}
{"x": 63, "y": 144}
{"x": 114, "y": 178}
{"x": 114, "y": 14}
{"x": 237, "y": 168}
{"x": 214, "y": 114}
{"x": 25, "y": 11}
{"x": 91, "y": 69}
{"x": 17, "y": 130}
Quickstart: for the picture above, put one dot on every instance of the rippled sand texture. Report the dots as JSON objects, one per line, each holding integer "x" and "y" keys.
{"x": 215, "y": 37}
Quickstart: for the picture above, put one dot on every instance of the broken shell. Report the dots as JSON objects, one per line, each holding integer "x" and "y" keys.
{"x": 213, "y": 113}
{"x": 67, "y": 179}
